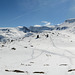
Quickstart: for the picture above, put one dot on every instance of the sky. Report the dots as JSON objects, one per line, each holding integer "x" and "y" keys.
{"x": 27, "y": 13}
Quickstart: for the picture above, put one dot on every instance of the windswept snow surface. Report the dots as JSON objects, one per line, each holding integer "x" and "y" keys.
{"x": 28, "y": 55}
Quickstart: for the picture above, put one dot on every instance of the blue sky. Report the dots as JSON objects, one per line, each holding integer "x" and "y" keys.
{"x": 15, "y": 13}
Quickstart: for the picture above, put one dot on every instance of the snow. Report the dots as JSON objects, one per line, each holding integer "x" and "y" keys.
{"x": 28, "y": 55}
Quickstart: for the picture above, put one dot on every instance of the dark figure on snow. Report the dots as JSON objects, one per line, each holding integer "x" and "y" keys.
{"x": 37, "y": 36}
{"x": 47, "y": 35}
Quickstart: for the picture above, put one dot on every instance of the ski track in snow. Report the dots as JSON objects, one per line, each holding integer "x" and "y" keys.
{"x": 70, "y": 58}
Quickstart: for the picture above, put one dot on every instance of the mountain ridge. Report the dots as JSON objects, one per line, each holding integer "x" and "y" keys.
{"x": 22, "y": 31}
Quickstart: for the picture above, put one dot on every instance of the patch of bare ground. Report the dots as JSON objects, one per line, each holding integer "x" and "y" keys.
{"x": 71, "y": 70}
{"x": 63, "y": 65}
{"x": 39, "y": 72}
{"x": 17, "y": 71}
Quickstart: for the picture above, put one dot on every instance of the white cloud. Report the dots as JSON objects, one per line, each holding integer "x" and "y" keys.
{"x": 46, "y": 23}
{"x": 37, "y": 25}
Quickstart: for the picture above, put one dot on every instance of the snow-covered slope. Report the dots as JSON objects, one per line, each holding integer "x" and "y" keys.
{"x": 23, "y": 28}
{"x": 8, "y": 34}
{"x": 50, "y": 52}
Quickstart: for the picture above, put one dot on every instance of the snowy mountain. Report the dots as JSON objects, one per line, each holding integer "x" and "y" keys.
{"x": 70, "y": 20}
{"x": 67, "y": 24}
{"x": 9, "y": 34}
{"x": 43, "y": 50}
{"x": 42, "y": 28}
{"x": 23, "y": 28}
